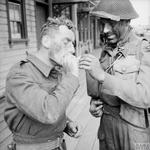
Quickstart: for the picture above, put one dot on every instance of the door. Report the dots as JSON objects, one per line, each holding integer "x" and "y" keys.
{"x": 41, "y": 12}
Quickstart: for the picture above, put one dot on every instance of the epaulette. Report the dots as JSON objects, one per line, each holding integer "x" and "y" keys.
{"x": 23, "y": 62}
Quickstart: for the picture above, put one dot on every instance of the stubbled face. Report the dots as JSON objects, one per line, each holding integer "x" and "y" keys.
{"x": 112, "y": 31}
{"x": 62, "y": 44}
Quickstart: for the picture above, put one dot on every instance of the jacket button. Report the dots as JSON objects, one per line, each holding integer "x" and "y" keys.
{"x": 123, "y": 69}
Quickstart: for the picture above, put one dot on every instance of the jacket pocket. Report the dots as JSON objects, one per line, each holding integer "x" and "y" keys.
{"x": 133, "y": 115}
{"x": 138, "y": 135}
{"x": 127, "y": 68}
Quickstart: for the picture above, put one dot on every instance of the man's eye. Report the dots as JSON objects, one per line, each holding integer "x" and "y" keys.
{"x": 74, "y": 44}
{"x": 65, "y": 42}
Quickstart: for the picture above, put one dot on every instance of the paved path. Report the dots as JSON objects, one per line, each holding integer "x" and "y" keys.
{"x": 78, "y": 111}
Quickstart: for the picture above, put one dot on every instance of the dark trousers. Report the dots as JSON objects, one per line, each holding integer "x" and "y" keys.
{"x": 116, "y": 134}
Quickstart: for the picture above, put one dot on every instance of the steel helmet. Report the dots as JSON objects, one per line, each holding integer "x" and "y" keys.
{"x": 115, "y": 10}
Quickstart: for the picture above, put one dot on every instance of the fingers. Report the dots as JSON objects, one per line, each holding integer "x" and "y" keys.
{"x": 78, "y": 133}
{"x": 96, "y": 102}
{"x": 87, "y": 61}
{"x": 96, "y": 108}
{"x": 84, "y": 63}
{"x": 96, "y": 113}
{"x": 75, "y": 129}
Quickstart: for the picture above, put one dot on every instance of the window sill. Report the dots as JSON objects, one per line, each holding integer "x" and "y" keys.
{"x": 13, "y": 41}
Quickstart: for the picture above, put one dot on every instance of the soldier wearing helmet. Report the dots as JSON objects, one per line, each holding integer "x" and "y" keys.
{"x": 118, "y": 82}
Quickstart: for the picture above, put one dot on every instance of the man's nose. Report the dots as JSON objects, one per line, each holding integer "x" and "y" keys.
{"x": 107, "y": 28}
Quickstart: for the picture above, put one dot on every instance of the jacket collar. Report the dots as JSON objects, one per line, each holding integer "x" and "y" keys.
{"x": 44, "y": 68}
{"x": 120, "y": 45}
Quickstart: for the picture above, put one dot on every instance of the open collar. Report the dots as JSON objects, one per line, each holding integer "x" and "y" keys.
{"x": 44, "y": 68}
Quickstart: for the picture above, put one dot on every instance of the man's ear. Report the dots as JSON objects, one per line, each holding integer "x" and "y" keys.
{"x": 46, "y": 41}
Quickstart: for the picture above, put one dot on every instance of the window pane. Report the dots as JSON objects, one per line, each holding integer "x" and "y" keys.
{"x": 15, "y": 30}
{"x": 17, "y": 12}
{"x": 11, "y": 11}
{"x": 15, "y": 20}
{"x": 14, "y": 11}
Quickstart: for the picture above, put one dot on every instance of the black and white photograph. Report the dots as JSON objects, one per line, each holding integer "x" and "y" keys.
{"x": 74, "y": 74}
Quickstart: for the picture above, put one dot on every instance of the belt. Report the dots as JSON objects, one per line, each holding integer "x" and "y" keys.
{"x": 27, "y": 139}
{"x": 111, "y": 110}
{"x": 50, "y": 144}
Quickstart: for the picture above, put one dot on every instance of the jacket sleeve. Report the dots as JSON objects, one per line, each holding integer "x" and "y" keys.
{"x": 37, "y": 103}
{"x": 93, "y": 86}
{"x": 135, "y": 93}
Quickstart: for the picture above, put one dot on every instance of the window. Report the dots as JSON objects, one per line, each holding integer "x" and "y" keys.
{"x": 62, "y": 10}
{"x": 16, "y": 20}
{"x": 83, "y": 26}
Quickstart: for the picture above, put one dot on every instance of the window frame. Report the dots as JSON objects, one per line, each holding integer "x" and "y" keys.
{"x": 24, "y": 35}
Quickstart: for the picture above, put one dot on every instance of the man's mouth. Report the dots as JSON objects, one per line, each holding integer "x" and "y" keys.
{"x": 111, "y": 37}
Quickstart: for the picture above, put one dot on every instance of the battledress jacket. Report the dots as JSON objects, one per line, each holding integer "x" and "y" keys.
{"x": 130, "y": 81}
{"x": 37, "y": 96}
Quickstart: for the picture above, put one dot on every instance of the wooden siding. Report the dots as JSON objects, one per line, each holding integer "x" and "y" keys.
{"x": 5, "y": 133}
{"x": 11, "y": 55}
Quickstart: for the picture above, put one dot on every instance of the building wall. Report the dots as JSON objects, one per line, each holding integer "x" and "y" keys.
{"x": 11, "y": 54}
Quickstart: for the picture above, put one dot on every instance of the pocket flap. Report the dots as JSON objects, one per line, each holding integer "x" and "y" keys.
{"x": 127, "y": 65}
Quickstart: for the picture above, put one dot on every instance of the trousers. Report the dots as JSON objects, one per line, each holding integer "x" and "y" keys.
{"x": 116, "y": 134}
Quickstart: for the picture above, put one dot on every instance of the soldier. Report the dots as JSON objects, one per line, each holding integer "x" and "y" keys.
{"x": 119, "y": 82}
{"x": 39, "y": 89}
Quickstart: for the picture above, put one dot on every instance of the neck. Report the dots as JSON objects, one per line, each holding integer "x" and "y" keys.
{"x": 42, "y": 54}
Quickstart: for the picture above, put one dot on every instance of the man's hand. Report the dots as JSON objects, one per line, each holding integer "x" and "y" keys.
{"x": 73, "y": 129}
{"x": 96, "y": 107}
{"x": 70, "y": 64}
{"x": 92, "y": 65}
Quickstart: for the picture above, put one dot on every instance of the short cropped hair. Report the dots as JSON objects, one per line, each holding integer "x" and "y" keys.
{"x": 52, "y": 25}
